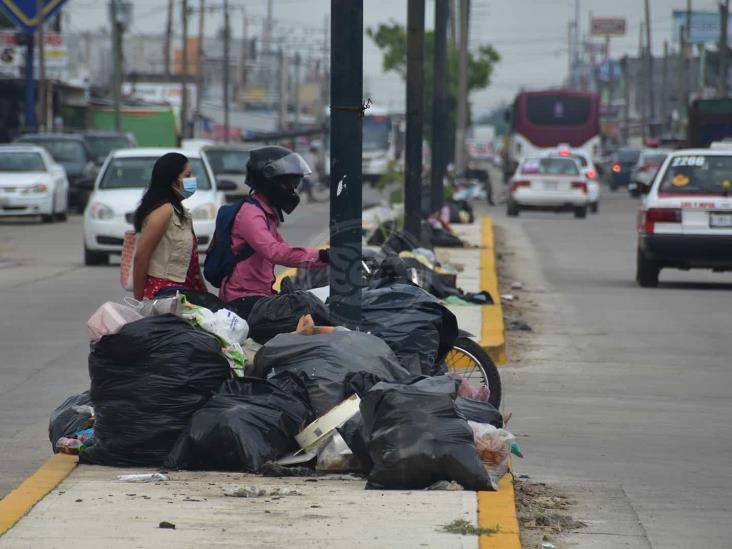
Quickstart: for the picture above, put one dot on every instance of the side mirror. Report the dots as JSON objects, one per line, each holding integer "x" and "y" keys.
{"x": 86, "y": 184}
{"x": 226, "y": 185}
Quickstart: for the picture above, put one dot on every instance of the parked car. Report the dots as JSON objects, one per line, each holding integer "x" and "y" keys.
{"x": 32, "y": 183}
{"x": 72, "y": 152}
{"x": 686, "y": 218}
{"x": 590, "y": 171}
{"x": 117, "y": 192}
{"x": 101, "y": 143}
{"x": 645, "y": 170}
{"x": 229, "y": 165}
{"x": 621, "y": 165}
{"x": 549, "y": 182}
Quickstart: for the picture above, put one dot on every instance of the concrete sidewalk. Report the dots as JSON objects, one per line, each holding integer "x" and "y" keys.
{"x": 89, "y": 508}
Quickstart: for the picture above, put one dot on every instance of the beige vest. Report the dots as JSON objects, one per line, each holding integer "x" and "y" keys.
{"x": 172, "y": 255}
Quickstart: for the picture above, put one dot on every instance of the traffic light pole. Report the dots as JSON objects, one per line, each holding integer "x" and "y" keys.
{"x": 346, "y": 90}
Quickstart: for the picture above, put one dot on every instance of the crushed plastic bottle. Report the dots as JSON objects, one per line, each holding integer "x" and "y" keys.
{"x": 72, "y": 446}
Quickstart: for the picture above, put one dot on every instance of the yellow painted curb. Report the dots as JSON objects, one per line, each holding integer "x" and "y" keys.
{"x": 17, "y": 503}
{"x": 492, "y": 337}
{"x": 499, "y": 509}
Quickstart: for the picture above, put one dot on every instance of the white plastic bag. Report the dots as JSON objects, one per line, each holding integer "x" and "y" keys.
{"x": 494, "y": 447}
{"x": 152, "y": 307}
{"x": 109, "y": 319}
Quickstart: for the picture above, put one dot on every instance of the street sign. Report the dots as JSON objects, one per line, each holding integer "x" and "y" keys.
{"x": 24, "y": 13}
{"x": 608, "y": 26}
{"x": 704, "y": 26}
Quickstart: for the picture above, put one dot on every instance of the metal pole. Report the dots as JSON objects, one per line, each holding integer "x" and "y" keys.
{"x": 649, "y": 76}
{"x": 702, "y": 67}
{"x": 415, "y": 118}
{"x": 227, "y": 38}
{"x": 663, "y": 109}
{"x": 42, "y": 122}
{"x": 683, "y": 71}
{"x": 609, "y": 105}
{"x": 577, "y": 42}
{"x": 462, "y": 106}
{"x": 284, "y": 99}
{"x": 168, "y": 37}
{"x": 199, "y": 55}
{"x": 298, "y": 60}
{"x": 439, "y": 105}
{"x": 184, "y": 72}
{"x": 117, "y": 54}
{"x": 626, "y": 100}
{"x": 30, "y": 85}
{"x": 346, "y": 138}
{"x": 722, "y": 78}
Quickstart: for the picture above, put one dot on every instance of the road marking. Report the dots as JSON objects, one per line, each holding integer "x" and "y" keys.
{"x": 17, "y": 503}
{"x": 492, "y": 336}
{"x": 499, "y": 508}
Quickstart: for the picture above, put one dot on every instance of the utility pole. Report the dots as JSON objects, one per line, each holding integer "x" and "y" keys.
{"x": 227, "y": 37}
{"x": 683, "y": 71}
{"x": 609, "y": 66}
{"x": 651, "y": 90}
{"x": 439, "y": 106}
{"x": 642, "y": 81}
{"x": 462, "y": 100}
{"x": 284, "y": 99}
{"x": 199, "y": 60}
{"x": 722, "y": 78}
{"x": 570, "y": 52}
{"x": 415, "y": 119}
{"x": 168, "y": 37}
{"x": 453, "y": 21}
{"x": 298, "y": 61}
{"x": 346, "y": 140}
{"x": 577, "y": 41}
{"x": 626, "y": 100}
{"x": 184, "y": 72}
{"x": 244, "y": 56}
{"x": 42, "y": 119}
{"x": 663, "y": 109}
{"x": 117, "y": 55}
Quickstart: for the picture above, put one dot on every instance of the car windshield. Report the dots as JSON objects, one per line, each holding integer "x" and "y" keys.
{"x": 654, "y": 158}
{"x": 376, "y": 133}
{"x": 101, "y": 146}
{"x": 628, "y": 156}
{"x": 62, "y": 150}
{"x": 134, "y": 173}
{"x": 698, "y": 174}
{"x": 549, "y": 166}
{"x": 21, "y": 162}
{"x": 227, "y": 161}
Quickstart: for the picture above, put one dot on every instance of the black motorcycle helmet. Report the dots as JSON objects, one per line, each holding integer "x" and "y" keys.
{"x": 276, "y": 172}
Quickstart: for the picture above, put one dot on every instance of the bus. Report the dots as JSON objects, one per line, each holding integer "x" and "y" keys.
{"x": 383, "y": 142}
{"x": 546, "y": 119}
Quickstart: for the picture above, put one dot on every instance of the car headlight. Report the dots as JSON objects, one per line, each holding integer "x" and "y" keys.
{"x": 35, "y": 189}
{"x": 205, "y": 212}
{"x": 101, "y": 211}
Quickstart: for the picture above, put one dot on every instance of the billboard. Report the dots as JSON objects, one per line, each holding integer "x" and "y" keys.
{"x": 704, "y": 26}
{"x": 607, "y": 26}
{"x": 12, "y": 56}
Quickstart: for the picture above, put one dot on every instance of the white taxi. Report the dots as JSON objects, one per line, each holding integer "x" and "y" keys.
{"x": 685, "y": 221}
{"x": 118, "y": 190}
{"x": 588, "y": 168}
{"x": 548, "y": 182}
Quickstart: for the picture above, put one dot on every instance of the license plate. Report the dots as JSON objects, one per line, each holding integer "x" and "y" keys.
{"x": 723, "y": 220}
{"x": 550, "y": 185}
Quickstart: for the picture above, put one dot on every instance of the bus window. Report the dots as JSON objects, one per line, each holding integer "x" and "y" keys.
{"x": 553, "y": 110}
{"x": 376, "y": 131}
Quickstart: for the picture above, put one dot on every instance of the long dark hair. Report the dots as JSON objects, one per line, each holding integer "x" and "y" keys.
{"x": 160, "y": 191}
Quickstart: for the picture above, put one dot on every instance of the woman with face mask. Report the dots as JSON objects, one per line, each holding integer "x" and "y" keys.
{"x": 166, "y": 255}
{"x": 273, "y": 174}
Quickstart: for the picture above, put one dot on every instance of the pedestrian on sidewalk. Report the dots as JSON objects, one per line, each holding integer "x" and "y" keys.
{"x": 274, "y": 174}
{"x": 166, "y": 254}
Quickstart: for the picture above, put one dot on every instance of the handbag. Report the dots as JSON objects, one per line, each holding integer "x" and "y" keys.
{"x": 127, "y": 260}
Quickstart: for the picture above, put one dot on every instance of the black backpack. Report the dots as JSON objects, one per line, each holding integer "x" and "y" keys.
{"x": 220, "y": 258}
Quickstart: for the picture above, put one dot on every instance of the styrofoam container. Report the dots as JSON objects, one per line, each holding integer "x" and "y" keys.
{"x": 319, "y": 429}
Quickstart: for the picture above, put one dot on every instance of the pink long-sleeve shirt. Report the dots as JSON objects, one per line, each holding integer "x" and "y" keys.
{"x": 255, "y": 275}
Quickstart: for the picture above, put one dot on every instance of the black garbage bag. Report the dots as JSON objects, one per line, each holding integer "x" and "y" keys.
{"x": 206, "y": 299}
{"x": 416, "y": 437}
{"x": 455, "y": 207}
{"x": 326, "y": 360}
{"x": 440, "y": 238}
{"x": 279, "y": 314}
{"x": 146, "y": 382}
{"x": 479, "y": 411}
{"x": 413, "y": 323}
{"x": 248, "y": 422}
{"x": 70, "y": 417}
{"x": 352, "y": 433}
{"x": 307, "y": 279}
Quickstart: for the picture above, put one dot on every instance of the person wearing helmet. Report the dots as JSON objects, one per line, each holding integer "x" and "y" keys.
{"x": 273, "y": 174}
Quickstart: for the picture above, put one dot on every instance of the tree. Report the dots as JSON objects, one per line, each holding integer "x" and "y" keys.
{"x": 391, "y": 39}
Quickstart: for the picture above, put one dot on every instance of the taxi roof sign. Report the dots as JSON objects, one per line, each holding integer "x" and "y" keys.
{"x": 25, "y": 13}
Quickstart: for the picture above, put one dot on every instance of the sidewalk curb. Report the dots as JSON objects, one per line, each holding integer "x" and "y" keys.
{"x": 492, "y": 336}
{"x": 20, "y": 501}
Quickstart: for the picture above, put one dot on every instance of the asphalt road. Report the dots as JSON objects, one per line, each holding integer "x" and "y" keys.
{"x": 46, "y": 297}
{"x": 622, "y": 393}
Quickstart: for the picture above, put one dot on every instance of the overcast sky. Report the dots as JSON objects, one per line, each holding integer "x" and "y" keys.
{"x": 530, "y": 35}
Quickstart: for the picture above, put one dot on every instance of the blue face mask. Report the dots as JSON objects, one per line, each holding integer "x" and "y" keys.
{"x": 189, "y": 187}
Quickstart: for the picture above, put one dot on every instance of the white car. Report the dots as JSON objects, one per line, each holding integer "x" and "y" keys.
{"x": 685, "y": 221}
{"x": 588, "y": 168}
{"x": 548, "y": 182}
{"x": 32, "y": 183}
{"x": 117, "y": 192}
{"x": 645, "y": 170}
